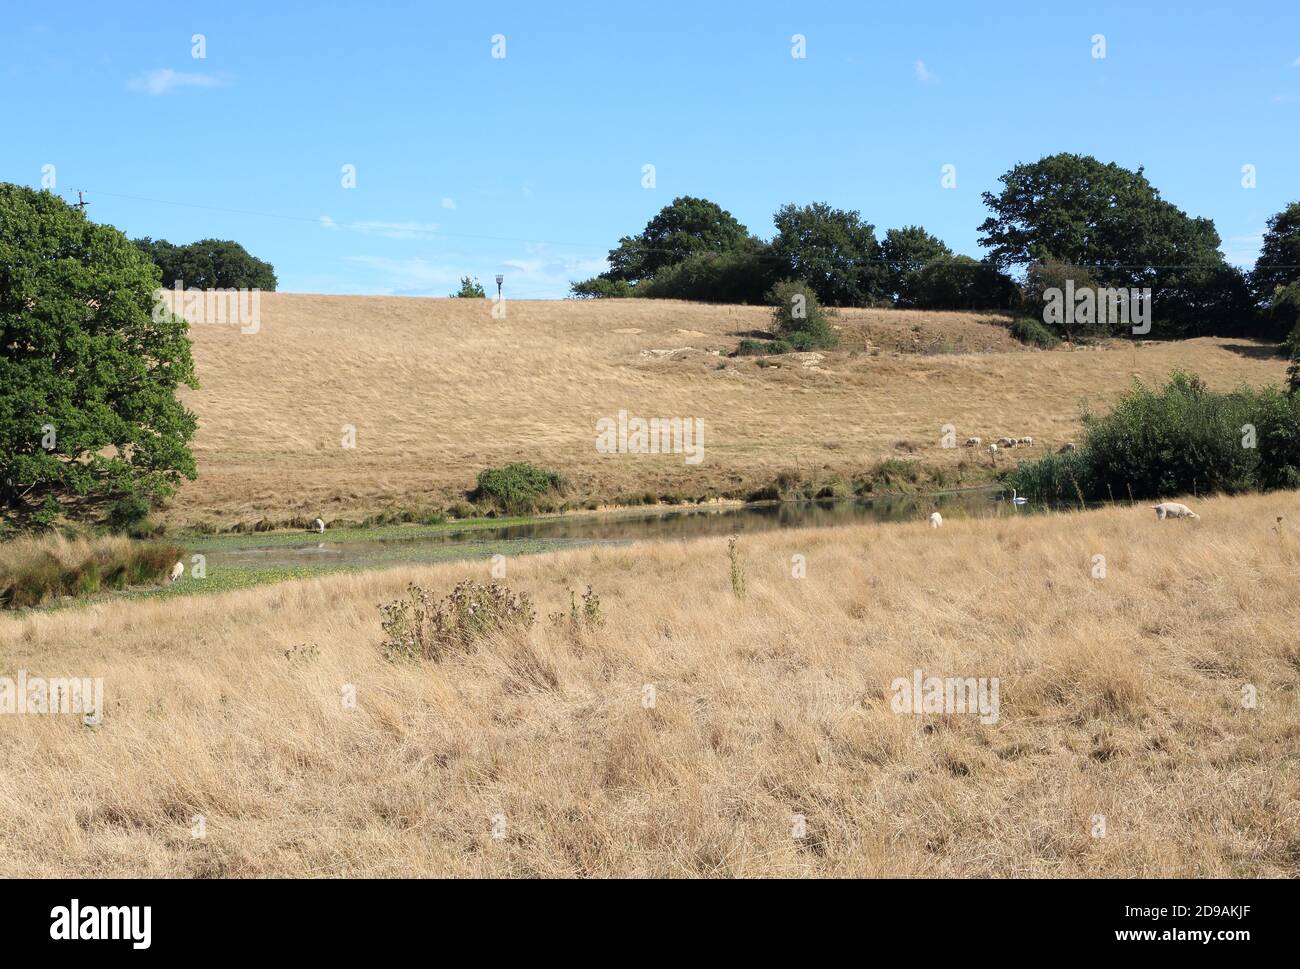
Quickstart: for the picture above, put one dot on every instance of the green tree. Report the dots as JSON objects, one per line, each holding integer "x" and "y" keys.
{"x": 209, "y": 264}
{"x": 904, "y": 252}
{"x": 1278, "y": 264}
{"x": 959, "y": 283}
{"x": 1113, "y": 223}
{"x": 833, "y": 250}
{"x": 686, "y": 227}
{"x": 89, "y": 362}
{"x": 470, "y": 288}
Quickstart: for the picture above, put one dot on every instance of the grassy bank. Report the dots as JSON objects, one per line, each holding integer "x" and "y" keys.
{"x": 37, "y": 570}
{"x": 1121, "y": 697}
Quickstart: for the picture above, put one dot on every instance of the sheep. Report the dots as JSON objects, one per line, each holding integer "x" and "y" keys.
{"x": 318, "y": 525}
{"x": 1006, "y": 442}
{"x": 1068, "y": 446}
{"x": 972, "y": 442}
{"x": 993, "y": 450}
{"x": 1025, "y": 442}
{"x": 936, "y": 520}
{"x": 177, "y": 571}
{"x": 1172, "y": 509}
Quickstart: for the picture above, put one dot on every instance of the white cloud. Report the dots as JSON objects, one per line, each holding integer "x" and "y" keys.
{"x": 448, "y": 202}
{"x": 924, "y": 74}
{"x": 395, "y": 230}
{"x": 389, "y": 230}
{"x": 165, "y": 79}
{"x": 1296, "y": 62}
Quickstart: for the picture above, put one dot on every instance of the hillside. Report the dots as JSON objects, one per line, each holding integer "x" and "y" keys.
{"x": 438, "y": 390}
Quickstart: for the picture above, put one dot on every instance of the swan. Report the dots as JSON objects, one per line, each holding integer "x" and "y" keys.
{"x": 1016, "y": 499}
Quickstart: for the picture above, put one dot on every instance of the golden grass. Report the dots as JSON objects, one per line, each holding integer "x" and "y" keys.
{"x": 1120, "y": 697}
{"x": 437, "y": 390}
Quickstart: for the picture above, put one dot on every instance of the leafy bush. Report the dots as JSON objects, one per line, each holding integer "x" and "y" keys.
{"x": 1032, "y": 332}
{"x": 761, "y": 348}
{"x": 37, "y": 569}
{"x": 415, "y": 627}
{"x": 516, "y": 488}
{"x": 1181, "y": 439}
{"x": 127, "y": 513}
{"x": 598, "y": 287}
{"x": 798, "y": 317}
{"x": 741, "y": 275}
{"x": 470, "y": 288}
{"x": 959, "y": 283}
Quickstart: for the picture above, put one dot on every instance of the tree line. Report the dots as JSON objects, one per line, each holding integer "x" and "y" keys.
{"x": 1062, "y": 217}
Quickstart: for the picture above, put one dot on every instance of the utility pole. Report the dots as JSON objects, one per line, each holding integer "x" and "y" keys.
{"x": 500, "y": 279}
{"x": 81, "y": 202}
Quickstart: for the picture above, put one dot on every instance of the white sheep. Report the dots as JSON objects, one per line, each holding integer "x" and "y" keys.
{"x": 177, "y": 571}
{"x": 1026, "y": 442}
{"x": 972, "y": 442}
{"x": 1068, "y": 446}
{"x": 1172, "y": 509}
{"x": 1006, "y": 442}
{"x": 993, "y": 450}
{"x": 936, "y": 520}
{"x": 318, "y": 525}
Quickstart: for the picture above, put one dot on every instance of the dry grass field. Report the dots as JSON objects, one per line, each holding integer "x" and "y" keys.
{"x": 437, "y": 390}
{"x": 1119, "y": 697}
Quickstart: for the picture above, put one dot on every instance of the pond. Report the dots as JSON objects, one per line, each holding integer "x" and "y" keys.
{"x": 415, "y": 545}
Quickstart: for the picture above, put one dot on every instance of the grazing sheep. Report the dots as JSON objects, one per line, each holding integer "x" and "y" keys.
{"x": 1025, "y": 442}
{"x": 972, "y": 442}
{"x": 993, "y": 450}
{"x": 1172, "y": 509}
{"x": 177, "y": 571}
{"x": 1068, "y": 446}
{"x": 1006, "y": 442}
{"x": 936, "y": 520}
{"x": 318, "y": 525}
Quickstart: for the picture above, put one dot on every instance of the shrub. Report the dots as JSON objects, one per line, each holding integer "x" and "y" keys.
{"x": 1048, "y": 275}
{"x": 958, "y": 283}
{"x": 417, "y": 628}
{"x": 516, "y": 488}
{"x": 598, "y": 287}
{"x": 798, "y": 317}
{"x": 736, "y": 276}
{"x": 1183, "y": 438}
{"x": 761, "y": 348}
{"x": 1033, "y": 333}
{"x": 1291, "y": 347}
{"x": 470, "y": 288}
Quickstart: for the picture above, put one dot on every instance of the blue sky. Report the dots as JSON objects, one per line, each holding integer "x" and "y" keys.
{"x": 531, "y": 165}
